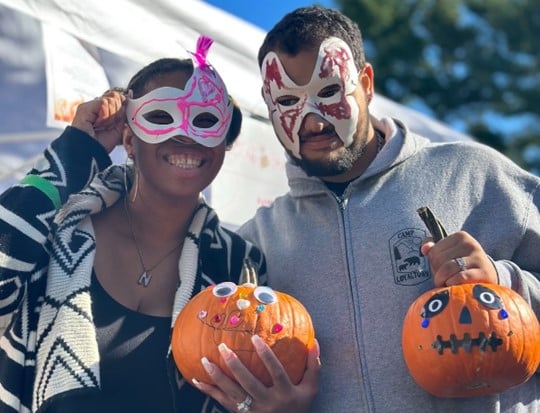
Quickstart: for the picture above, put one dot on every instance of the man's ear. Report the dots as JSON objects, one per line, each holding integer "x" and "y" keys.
{"x": 366, "y": 79}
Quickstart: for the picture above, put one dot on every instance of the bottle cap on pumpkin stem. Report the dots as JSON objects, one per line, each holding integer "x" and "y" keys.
{"x": 432, "y": 223}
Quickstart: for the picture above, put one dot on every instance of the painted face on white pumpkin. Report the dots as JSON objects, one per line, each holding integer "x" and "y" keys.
{"x": 328, "y": 94}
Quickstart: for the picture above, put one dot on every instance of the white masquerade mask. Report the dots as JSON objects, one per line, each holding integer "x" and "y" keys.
{"x": 201, "y": 111}
{"x": 334, "y": 66}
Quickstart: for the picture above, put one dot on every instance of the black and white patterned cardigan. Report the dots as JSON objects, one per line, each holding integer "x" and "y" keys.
{"x": 46, "y": 259}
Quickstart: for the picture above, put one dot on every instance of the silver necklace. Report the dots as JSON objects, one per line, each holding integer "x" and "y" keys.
{"x": 146, "y": 276}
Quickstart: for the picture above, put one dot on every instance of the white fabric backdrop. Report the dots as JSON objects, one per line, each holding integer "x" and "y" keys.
{"x": 89, "y": 45}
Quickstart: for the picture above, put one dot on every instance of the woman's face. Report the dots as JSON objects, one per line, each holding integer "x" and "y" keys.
{"x": 178, "y": 166}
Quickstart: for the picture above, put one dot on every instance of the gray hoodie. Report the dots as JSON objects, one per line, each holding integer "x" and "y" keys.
{"x": 355, "y": 264}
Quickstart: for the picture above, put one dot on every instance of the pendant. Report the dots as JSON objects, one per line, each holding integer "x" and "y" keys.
{"x": 144, "y": 279}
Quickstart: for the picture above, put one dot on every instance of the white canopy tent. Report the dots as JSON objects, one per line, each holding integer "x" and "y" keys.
{"x": 75, "y": 50}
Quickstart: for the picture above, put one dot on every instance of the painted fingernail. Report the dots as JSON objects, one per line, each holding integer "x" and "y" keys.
{"x": 257, "y": 342}
{"x": 209, "y": 367}
{"x": 225, "y": 351}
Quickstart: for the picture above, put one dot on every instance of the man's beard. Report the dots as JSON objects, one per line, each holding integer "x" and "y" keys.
{"x": 339, "y": 163}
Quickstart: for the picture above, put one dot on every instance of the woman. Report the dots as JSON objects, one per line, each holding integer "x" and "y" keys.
{"x": 96, "y": 286}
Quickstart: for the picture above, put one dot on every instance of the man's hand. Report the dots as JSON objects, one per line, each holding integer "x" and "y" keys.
{"x": 458, "y": 259}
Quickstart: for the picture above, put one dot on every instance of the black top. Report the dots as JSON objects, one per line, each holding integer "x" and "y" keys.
{"x": 133, "y": 366}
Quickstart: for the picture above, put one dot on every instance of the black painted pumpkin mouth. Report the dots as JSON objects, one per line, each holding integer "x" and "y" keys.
{"x": 467, "y": 343}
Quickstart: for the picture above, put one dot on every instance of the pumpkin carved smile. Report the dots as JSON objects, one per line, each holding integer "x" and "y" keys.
{"x": 467, "y": 343}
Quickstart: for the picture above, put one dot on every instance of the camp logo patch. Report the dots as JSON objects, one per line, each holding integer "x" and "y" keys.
{"x": 409, "y": 265}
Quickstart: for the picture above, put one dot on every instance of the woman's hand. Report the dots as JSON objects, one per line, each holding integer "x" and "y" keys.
{"x": 248, "y": 394}
{"x": 458, "y": 259}
{"x": 103, "y": 118}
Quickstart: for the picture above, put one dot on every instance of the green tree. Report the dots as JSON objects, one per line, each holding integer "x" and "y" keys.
{"x": 470, "y": 63}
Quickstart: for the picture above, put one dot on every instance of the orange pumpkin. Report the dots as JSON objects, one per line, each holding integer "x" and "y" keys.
{"x": 231, "y": 314}
{"x": 470, "y": 340}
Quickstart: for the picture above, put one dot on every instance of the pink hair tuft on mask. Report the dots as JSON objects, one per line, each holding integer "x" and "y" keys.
{"x": 203, "y": 45}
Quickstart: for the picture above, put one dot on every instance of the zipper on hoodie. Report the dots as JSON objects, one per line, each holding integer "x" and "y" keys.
{"x": 342, "y": 204}
{"x": 342, "y": 201}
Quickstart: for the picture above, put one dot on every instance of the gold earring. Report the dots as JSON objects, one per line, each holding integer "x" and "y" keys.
{"x": 126, "y": 187}
{"x": 136, "y": 183}
{"x": 135, "y": 179}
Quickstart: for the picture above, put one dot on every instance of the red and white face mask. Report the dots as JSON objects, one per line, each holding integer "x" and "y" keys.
{"x": 334, "y": 66}
{"x": 201, "y": 111}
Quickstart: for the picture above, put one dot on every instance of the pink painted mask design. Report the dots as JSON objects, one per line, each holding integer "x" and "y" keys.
{"x": 334, "y": 66}
{"x": 202, "y": 111}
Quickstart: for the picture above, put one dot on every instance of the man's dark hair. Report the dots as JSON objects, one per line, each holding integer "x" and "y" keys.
{"x": 167, "y": 65}
{"x": 307, "y": 27}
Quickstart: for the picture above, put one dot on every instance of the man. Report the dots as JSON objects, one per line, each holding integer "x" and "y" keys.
{"x": 347, "y": 241}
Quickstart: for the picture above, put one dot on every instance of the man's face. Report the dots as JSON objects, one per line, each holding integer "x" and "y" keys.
{"x": 317, "y": 107}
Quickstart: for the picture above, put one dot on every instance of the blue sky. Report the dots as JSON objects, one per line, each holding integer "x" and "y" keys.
{"x": 264, "y": 13}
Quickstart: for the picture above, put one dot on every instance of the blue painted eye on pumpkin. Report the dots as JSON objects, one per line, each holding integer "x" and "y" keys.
{"x": 434, "y": 306}
{"x": 490, "y": 299}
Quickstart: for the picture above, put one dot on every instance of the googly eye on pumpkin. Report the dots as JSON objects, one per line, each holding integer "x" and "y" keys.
{"x": 224, "y": 289}
{"x": 265, "y": 295}
{"x": 487, "y": 297}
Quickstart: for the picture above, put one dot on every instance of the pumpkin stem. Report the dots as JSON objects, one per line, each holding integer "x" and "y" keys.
{"x": 249, "y": 274}
{"x": 432, "y": 223}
